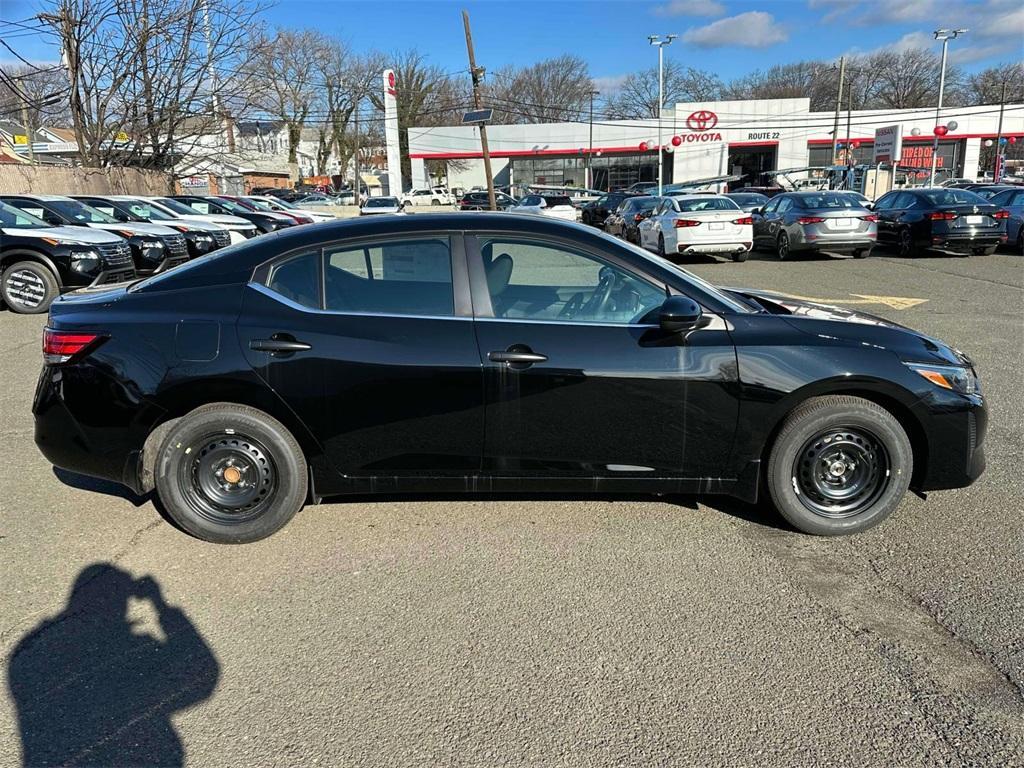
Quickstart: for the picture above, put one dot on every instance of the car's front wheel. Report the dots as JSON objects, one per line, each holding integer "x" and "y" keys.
{"x": 839, "y": 465}
{"x": 782, "y": 246}
{"x": 28, "y": 287}
{"x": 230, "y": 474}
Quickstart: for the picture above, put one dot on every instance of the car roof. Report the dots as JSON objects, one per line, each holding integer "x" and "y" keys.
{"x": 42, "y": 198}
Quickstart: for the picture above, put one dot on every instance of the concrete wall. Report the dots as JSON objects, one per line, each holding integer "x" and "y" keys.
{"x": 46, "y": 180}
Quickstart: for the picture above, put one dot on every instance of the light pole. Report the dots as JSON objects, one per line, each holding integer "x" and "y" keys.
{"x": 590, "y": 149}
{"x": 945, "y": 35}
{"x": 661, "y": 43}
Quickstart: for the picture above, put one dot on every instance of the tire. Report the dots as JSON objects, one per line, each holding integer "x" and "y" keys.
{"x": 1020, "y": 241}
{"x": 209, "y": 506}
{"x": 741, "y": 256}
{"x": 986, "y": 251}
{"x": 824, "y": 434}
{"x": 905, "y": 243}
{"x": 862, "y": 254}
{"x": 435, "y": 202}
{"x": 661, "y": 246}
{"x": 28, "y": 287}
{"x": 782, "y": 246}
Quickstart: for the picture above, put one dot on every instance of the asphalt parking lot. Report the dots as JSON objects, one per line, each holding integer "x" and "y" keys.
{"x": 535, "y": 631}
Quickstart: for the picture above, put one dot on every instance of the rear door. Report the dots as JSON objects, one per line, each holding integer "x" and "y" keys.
{"x": 371, "y": 343}
{"x": 579, "y": 381}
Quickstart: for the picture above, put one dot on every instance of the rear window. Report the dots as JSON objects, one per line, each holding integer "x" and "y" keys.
{"x": 382, "y": 202}
{"x": 558, "y": 200}
{"x": 707, "y": 204}
{"x": 829, "y": 201}
{"x": 953, "y": 197}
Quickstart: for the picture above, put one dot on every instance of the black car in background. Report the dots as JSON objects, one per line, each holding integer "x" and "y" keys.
{"x": 624, "y": 221}
{"x": 748, "y": 201}
{"x": 479, "y": 201}
{"x": 945, "y": 219}
{"x": 38, "y": 261}
{"x": 200, "y": 238}
{"x": 483, "y": 352}
{"x": 595, "y": 213}
{"x": 265, "y": 221}
{"x": 988, "y": 191}
{"x": 154, "y": 248}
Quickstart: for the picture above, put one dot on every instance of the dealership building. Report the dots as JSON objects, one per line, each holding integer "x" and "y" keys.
{"x": 743, "y": 138}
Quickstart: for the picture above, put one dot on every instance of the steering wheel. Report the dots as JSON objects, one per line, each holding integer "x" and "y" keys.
{"x": 572, "y": 306}
{"x": 602, "y": 296}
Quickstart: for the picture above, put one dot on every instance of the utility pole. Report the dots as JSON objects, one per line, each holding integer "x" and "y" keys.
{"x": 999, "y": 163}
{"x": 70, "y": 57}
{"x": 945, "y": 35}
{"x": 656, "y": 40}
{"x": 839, "y": 106}
{"x": 476, "y": 72}
{"x": 28, "y": 127}
{"x": 590, "y": 149}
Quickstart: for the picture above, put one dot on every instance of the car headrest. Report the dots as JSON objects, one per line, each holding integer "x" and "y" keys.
{"x": 499, "y": 272}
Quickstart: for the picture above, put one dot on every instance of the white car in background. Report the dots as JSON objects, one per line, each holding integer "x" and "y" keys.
{"x": 267, "y": 203}
{"x": 240, "y": 229}
{"x": 378, "y": 205}
{"x": 692, "y": 224}
{"x": 556, "y": 206}
{"x": 432, "y": 196}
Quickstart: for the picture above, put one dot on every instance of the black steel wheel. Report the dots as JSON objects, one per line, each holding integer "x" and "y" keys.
{"x": 230, "y": 474}
{"x": 841, "y": 471}
{"x": 840, "y": 464}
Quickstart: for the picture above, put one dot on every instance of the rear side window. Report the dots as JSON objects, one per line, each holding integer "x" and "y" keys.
{"x": 298, "y": 279}
{"x": 401, "y": 277}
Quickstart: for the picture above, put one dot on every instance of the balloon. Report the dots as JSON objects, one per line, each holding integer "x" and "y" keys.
{"x": 989, "y": 142}
{"x": 952, "y": 125}
{"x": 941, "y": 130}
{"x": 1003, "y": 140}
{"x": 669, "y": 149}
{"x": 855, "y": 144}
{"x": 643, "y": 146}
{"x": 677, "y": 140}
{"x": 1013, "y": 139}
{"x": 915, "y": 131}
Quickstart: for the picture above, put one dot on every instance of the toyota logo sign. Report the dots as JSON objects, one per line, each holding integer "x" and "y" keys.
{"x": 702, "y": 120}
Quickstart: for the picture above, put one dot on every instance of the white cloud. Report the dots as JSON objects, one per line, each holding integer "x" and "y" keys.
{"x": 609, "y": 83}
{"x": 754, "y": 29}
{"x": 690, "y": 8}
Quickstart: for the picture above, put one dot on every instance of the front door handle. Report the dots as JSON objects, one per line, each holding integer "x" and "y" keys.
{"x": 279, "y": 346}
{"x": 516, "y": 358}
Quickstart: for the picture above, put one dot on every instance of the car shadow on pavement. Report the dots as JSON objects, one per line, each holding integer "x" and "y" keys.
{"x": 95, "y": 685}
{"x": 97, "y": 485}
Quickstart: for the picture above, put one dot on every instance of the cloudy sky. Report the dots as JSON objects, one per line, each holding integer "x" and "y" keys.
{"x": 729, "y": 37}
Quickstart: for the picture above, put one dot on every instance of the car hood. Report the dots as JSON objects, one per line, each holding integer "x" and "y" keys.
{"x": 218, "y": 218}
{"x": 137, "y": 228}
{"x": 82, "y": 235}
{"x": 854, "y": 326}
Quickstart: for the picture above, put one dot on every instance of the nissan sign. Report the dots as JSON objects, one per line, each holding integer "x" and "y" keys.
{"x": 888, "y": 144}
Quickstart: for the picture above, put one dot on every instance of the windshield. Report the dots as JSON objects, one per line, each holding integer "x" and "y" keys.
{"x": 80, "y": 212}
{"x": 259, "y": 205}
{"x": 176, "y": 205}
{"x": 145, "y": 210}
{"x": 382, "y": 202}
{"x": 231, "y": 205}
{"x": 14, "y": 218}
{"x": 283, "y": 204}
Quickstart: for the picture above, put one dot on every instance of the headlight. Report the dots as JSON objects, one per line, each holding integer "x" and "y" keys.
{"x": 152, "y": 250}
{"x": 952, "y": 377}
{"x": 85, "y": 261}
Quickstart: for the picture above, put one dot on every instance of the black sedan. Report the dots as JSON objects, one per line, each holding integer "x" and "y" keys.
{"x": 625, "y": 221}
{"x": 490, "y": 353}
{"x": 596, "y": 212}
{"x": 940, "y": 218}
{"x": 479, "y": 201}
{"x": 265, "y": 221}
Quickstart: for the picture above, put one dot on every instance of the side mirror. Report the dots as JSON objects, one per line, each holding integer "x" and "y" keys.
{"x": 679, "y": 313}
{"x": 758, "y": 211}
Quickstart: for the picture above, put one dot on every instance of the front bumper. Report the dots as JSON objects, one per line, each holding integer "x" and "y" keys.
{"x": 956, "y": 430}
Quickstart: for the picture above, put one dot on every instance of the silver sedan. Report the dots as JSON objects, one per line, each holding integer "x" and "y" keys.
{"x": 832, "y": 222}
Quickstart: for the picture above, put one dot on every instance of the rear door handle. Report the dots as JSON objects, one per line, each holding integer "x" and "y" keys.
{"x": 516, "y": 358}
{"x": 279, "y": 346}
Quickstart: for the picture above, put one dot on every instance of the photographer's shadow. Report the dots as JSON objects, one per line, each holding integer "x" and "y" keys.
{"x": 92, "y": 687}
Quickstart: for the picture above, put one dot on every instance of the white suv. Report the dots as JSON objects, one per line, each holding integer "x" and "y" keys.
{"x": 432, "y": 196}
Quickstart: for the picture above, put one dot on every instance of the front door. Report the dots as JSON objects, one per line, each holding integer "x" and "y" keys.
{"x": 580, "y": 381}
{"x": 369, "y": 345}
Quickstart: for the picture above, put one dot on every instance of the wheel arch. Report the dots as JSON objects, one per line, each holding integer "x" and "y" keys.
{"x": 893, "y": 399}
{"x": 186, "y": 398}
{"x": 21, "y": 253}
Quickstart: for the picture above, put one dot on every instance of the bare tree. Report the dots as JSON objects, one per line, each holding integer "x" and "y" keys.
{"x": 141, "y": 73}
{"x": 910, "y": 79}
{"x": 637, "y": 97}
{"x": 348, "y": 80}
{"x": 551, "y": 90}
{"x": 986, "y": 87}
{"x": 41, "y": 89}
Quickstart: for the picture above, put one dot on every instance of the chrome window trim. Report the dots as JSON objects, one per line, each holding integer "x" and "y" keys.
{"x": 316, "y": 311}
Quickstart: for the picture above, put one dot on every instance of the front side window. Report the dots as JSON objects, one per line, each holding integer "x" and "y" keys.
{"x": 530, "y": 280}
{"x": 14, "y": 218}
{"x": 784, "y": 204}
{"x": 772, "y": 205}
{"x": 400, "y": 277}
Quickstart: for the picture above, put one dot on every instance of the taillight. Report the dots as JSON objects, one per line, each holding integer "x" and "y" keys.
{"x": 1001, "y": 215}
{"x": 61, "y": 346}
{"x": 810, "y": 220}
{"x": 869, "y": 217}
{"x": 638, "y": 217}
{"x": 744, "y": 220}
{"x": 682, "y": 223}
{"x": 941, "y": 215}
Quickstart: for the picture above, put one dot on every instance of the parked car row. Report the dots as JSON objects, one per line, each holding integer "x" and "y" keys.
{"x": 944, "y": 219}
{"x": 56, "y": 243}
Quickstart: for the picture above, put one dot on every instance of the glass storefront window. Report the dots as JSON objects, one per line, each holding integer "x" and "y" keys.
{"x": 609, "y": 172}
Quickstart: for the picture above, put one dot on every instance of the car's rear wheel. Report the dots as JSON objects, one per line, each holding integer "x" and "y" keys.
{"x": 905, "y": 243}
{"x": 863, "y": 253}
{"x": 741, "y": 256}
{"x": 782, "y": 246}
{"x": 230, "y": 474}
{"x": 28, "y": 287}
{"x": 839, "y": 465}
